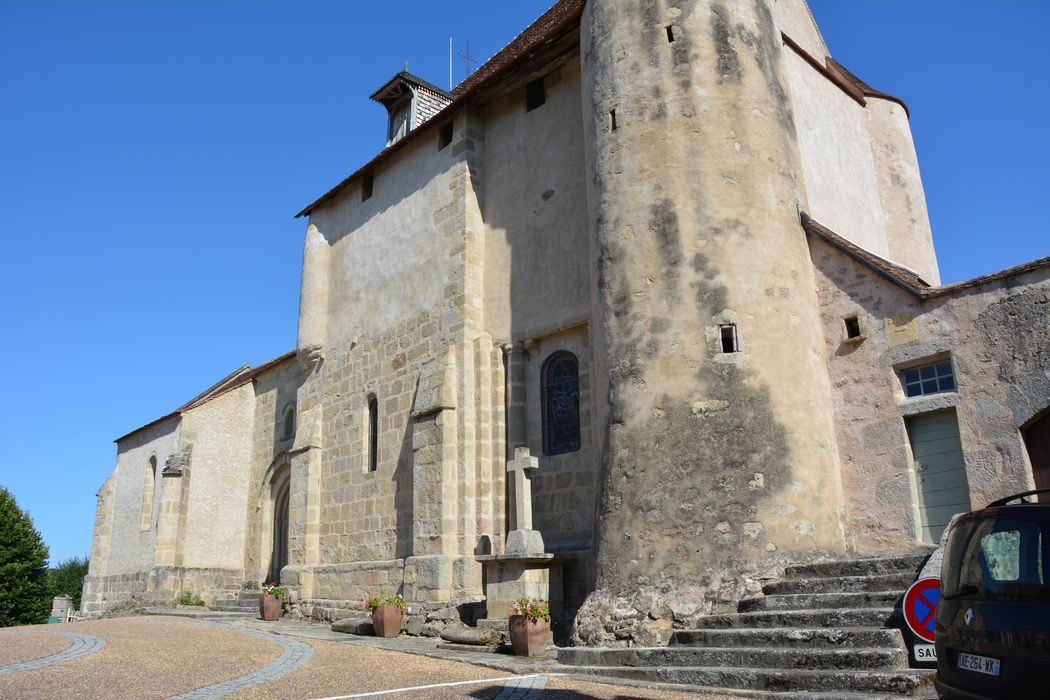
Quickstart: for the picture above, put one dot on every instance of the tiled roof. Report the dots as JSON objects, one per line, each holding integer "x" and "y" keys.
{"x": 898, "y": 275}
{"x": 415, "y": 80}
{"x": 905, "y": 278}
{"x": 548, "y": 27}
{"x": 236, "y": 379}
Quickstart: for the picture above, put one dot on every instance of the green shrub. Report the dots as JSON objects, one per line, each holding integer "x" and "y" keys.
{"x": 190, "y": 598}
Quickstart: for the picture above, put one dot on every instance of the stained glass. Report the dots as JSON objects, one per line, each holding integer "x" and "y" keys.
{"x": 561, "y": 404}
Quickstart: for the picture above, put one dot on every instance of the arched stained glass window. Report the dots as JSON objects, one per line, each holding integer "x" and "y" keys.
{"x": 561, "y": 404}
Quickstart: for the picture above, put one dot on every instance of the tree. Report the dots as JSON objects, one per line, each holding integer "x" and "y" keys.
{"x": 24, "y": 593}
{"x": 68, "y": 578}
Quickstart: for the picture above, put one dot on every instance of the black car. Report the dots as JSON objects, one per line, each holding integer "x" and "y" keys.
{"x": 993, "y": 618}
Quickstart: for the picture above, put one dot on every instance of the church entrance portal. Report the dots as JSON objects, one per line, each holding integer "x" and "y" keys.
{"x": 1037, "y": 440}
{"x": 279, "y": 556}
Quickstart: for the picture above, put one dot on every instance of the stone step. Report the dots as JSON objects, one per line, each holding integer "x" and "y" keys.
{"x": 772, "y": 658}
{"x": 843, "y": 584}
{"x": 857, "y": 567}
{"x": 821, "y": 601}
{"x": 787, "y": 637}
{"x": 240, "y": 602}
{"x": 845, "y": 617}
{"x": 908, "y": 683}
{"x": 236, "y": 609}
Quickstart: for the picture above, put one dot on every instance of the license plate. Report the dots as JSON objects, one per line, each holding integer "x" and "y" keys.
{"x": 925, "y": 652}
{"x": 980, "y": 664}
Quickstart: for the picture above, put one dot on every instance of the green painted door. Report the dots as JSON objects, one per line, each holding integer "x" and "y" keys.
{"x": 939, "y": 471}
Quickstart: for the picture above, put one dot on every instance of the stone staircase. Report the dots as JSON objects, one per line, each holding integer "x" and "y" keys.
{"x": 823, "y": 631}
{"x": 244, "y": 604}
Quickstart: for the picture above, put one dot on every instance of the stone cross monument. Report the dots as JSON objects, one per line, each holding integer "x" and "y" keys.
{"x": 523, "y": 541}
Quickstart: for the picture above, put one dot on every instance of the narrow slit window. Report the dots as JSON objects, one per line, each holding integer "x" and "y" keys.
{"x": 613, "y": 126}
{"x": 729, "y": 338}
{"x": 367, "y": 180}
{"x": 148, "y": 491}
{"x": 852, "y": 327}
{"x": 373, "y": 433}
{"x": 535, "y": 95}
{"x": 289, "y": 422}
{"x": 670, "y": 33}
{"x": 445, "y": 135}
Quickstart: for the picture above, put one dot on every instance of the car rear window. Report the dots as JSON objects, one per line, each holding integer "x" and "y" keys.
{"x": 997, "y": 558}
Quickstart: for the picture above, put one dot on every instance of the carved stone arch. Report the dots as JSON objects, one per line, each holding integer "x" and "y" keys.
{"x": 280, "y": 459}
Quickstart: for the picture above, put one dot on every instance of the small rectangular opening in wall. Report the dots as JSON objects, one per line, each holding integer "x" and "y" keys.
{"x": 535, "y": 95}
{"x": 729, "y": 338}
{"x": 445, "y": 135}
{"x": 670, "y": 33}
{"x": 852, "y": 327}
{"x": 367, "y": 180}
{"x": 613, "y": 126}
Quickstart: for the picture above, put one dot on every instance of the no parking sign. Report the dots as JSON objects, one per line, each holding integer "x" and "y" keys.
{"x": 920, "y": 607}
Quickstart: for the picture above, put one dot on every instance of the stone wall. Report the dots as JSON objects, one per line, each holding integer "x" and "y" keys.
{"x": 995, "y": 336}
{"x": 131, "y": 546}
{"x": 716, "y": 468}
{"x": 159, "y": 586}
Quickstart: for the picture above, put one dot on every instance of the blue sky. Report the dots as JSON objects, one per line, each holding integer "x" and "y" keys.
{"x": 153, "y": 155}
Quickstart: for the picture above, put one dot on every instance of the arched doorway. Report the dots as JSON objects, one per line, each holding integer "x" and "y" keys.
{"x": 279, "y": 554}
{"x": 1037, "y": 440}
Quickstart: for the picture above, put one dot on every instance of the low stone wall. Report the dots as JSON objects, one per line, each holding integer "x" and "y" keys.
{"x": 159, "y": 586}
{"x": 104, "y": 593}
{"x": 352, "y": 581}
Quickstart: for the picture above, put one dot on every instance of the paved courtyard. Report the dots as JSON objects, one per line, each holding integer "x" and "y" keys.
{"x": 171, "y": 657}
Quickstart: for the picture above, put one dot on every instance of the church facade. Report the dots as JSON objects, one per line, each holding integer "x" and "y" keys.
{"x": 673, "y": 249}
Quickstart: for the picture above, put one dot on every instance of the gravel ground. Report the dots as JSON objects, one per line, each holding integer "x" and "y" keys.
{"x": 16, "y": 648}
{"x": 144, "y": 658}
{"x": 343, "y": 669}
{"x": 156, "y": 657}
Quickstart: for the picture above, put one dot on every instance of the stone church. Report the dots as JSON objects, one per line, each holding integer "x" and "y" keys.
{"x": 648, "y": 307}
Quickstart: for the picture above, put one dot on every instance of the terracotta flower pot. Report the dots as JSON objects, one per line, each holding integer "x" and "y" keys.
{"x": 270, "y": 607}
{"x": 386, "y": 620}
{"x": 528, "y": 638}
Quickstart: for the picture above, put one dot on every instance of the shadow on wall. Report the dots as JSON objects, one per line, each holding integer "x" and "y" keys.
{"x": 404, "y": 487}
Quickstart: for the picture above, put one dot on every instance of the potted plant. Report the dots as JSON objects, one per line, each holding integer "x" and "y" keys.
{"x": 271, "y": 601}
{"x": 388, "y": 614}
{"x": 530, "y": 626}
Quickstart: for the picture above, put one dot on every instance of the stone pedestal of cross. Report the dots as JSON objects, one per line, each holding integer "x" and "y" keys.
{"x": 522, "y": 539}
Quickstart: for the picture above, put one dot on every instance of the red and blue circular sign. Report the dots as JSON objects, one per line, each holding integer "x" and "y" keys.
{"x": 920, "y": 606}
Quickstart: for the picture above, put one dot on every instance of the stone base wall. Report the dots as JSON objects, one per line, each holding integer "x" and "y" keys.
{"x": 428, "y": 581}
{"x": 647, "y": 613}
{"x": 159, "y": 586}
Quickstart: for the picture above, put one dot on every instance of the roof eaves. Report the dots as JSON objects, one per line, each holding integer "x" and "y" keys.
{"x": 866, "y": 90}
{"x": 998, "y": 276}
{"x": 899, "y": 276}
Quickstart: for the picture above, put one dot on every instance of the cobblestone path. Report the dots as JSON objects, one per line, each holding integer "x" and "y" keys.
{"x": 83, "y": 644}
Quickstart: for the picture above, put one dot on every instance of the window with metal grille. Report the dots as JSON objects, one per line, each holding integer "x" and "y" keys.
{"x": 929, "y": 379}
{"x": 561, "y": 404}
